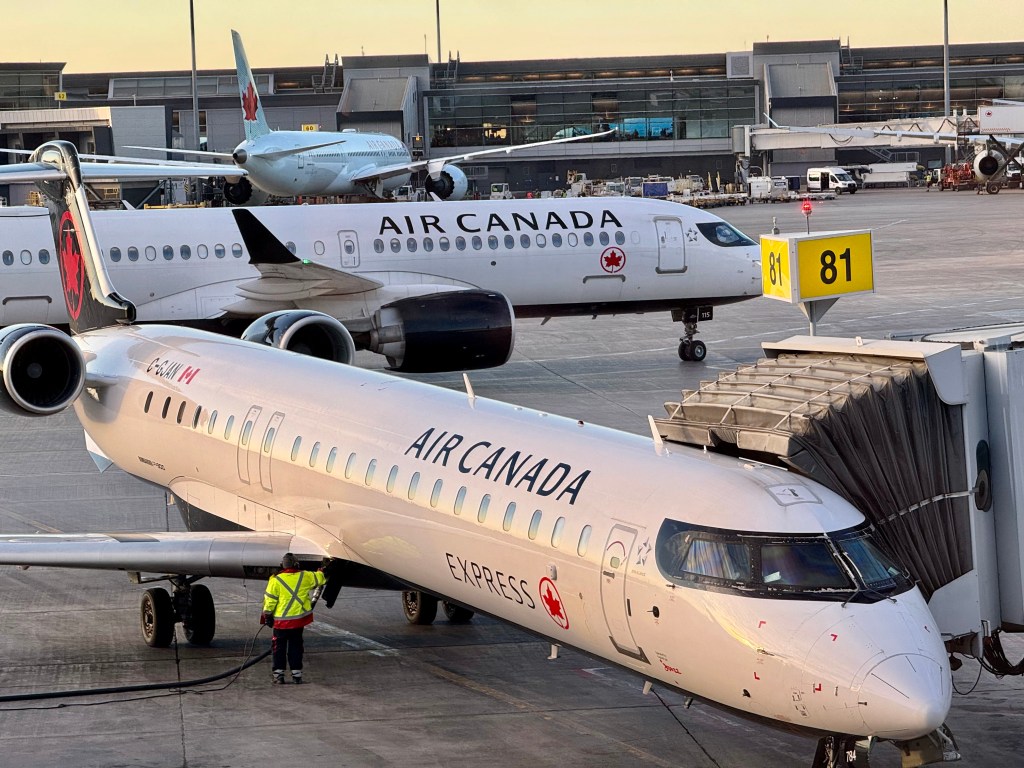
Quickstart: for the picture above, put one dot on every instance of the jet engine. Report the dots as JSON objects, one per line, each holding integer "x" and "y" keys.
{"x": 460, "y": 330}
{"x": 451, "y": 184}
{"x": 43, "y": 370}
{"x": 988, "y": 162}
{"x": 305, "y": 332}
{"x": 242, "y": 192}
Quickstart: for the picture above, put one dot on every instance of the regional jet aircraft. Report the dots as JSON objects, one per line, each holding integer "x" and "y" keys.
{"x": 756, "y": 589}
{"x": 292, "y": 163}
{"x": 429, "y": 285}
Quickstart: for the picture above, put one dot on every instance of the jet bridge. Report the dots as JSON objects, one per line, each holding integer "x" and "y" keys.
{"x": 919, "y": 435}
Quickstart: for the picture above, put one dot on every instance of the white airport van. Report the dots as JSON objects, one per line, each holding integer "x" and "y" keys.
{"x": 830, "y": 178}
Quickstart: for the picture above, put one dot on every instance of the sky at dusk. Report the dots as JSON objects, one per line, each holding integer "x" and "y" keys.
{"x": 144, "y": 35}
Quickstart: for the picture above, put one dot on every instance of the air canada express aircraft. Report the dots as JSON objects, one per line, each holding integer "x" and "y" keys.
{"x": 432, "y": 286}
{"x": 742, "y": 584}
{"x": 291, "y": 163}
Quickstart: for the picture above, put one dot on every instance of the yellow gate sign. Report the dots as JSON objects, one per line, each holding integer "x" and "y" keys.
{"x": 60, "y": 95}
{"x": 823, "y": 265}
{"x": 311, "y": 126}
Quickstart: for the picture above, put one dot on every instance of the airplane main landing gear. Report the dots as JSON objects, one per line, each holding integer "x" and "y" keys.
{"x": 691, "y": 349}
{"x": 421, "y": 608}
{"x": 191, "y": 605}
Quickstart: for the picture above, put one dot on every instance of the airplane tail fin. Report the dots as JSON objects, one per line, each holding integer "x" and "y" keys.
{"x": 91, "y": 299}
{"x": 252, "y": 108}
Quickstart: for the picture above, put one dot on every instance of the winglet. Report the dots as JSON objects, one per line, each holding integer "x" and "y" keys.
{"x": 263, "y": 246}
{"x": 253, "y": 118}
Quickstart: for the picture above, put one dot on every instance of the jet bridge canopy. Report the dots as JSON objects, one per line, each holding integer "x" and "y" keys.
{"x": 882, "y": 431}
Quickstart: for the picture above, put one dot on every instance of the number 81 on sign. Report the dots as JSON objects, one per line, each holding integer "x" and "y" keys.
{"x": 798, "y": 267}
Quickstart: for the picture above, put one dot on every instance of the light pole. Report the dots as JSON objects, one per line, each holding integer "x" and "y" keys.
{"x": 945, "y": 71}
{"x": 437, "y": 11}
{"x": 195, "y": 91}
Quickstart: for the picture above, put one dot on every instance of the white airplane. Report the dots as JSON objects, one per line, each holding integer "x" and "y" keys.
{"x": 429, "y": 285}
{"x": 293, "y": 163}
{"x": 753, "y": 588}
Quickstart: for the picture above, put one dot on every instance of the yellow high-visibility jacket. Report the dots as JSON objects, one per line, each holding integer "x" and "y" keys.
{"x": 287, "y": 597}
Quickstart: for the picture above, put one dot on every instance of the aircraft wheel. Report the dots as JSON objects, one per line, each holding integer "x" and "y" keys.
{"x": 456, "y": 614}
{"x": 992, "y": 188}
{"x": 157, "y": 616}
{"x": 698, "y": 351}
{"x": 202, "y": 623}
{"x": 419, "y": 608}
{"x": 684, "y": 350}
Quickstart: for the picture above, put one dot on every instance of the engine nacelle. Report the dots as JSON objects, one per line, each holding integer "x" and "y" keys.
{"x": 242, "y": 192}
{"x": 457, "y": 331}
{"x": 305, "y": 332}
{"x": 452, "y": 184}
{"x": 988, "y": 162}
{"x": 43, "y": 370}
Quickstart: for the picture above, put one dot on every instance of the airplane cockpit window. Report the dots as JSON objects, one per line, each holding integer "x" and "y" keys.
{"x": 725, "y": 235}
{"x": 811, "y": 565}
{"x": 690, "y": 555}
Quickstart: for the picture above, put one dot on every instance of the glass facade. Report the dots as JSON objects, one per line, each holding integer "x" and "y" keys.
{"x": 890, "y": 96}
{"x": 25, "y": 88}
{"x": 464, "y": 117}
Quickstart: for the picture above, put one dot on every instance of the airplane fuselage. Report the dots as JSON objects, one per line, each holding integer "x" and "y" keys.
{"x": 549, "y": 257}
{"x": 567, "y": 529}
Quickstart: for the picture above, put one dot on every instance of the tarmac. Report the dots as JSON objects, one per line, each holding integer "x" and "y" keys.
{"x": 385, "y": 693}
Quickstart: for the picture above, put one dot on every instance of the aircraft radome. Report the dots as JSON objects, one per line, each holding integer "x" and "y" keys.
{"x": 754, "y": 589}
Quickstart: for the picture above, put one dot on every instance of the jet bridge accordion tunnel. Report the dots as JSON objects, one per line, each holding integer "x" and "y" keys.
{"x": 919, "y": 436}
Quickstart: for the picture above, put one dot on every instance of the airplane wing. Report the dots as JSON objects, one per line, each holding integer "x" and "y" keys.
{"x": 434, "y": 166}
{"x": 196, "y": 152}
{"x": 15, "y": 172}
{"x": 271, "y": 155}
{"x": 232, "y": 554}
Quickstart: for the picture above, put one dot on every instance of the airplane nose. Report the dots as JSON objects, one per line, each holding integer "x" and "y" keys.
{"x": 905, "y": 697}
{"x": 240, "y": 156}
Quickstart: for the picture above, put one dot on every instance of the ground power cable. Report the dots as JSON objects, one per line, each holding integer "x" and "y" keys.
{"x": 685, "y": 729}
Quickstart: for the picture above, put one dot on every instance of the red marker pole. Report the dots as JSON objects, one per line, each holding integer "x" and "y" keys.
{"x": 807, "y": 209}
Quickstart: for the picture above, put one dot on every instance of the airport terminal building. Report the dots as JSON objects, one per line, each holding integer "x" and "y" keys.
{"x": 673, "y": 115}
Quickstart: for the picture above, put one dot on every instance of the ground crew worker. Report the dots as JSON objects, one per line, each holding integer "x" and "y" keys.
{"x": 287, "y": 609}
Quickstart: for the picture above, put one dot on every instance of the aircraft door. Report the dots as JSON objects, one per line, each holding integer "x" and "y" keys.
{"x": 267, "y": 448}
{"x": 671, "y": 245}
{"x": 614, "y": 600}
{"x": 349, "y": 244}
{"x": 245, "y": 442}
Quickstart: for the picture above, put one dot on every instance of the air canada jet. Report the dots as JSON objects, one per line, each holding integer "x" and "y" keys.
{"x": 432, "y": 286}
{"x": 293, "y": 163}
{"x": 755, "y": 589}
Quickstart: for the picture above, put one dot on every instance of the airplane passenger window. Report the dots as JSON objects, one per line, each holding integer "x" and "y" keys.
{"x": 581, "y": 547}
{"x": 492, "y": 242}
{"x": 510, "y": 242}
{"x": 219, "y": 251}
{"x": 149, "y": 401}
{"x": 331, "y": 458}
{"x": 460, "y": 498}
{"x": 168, "y": 252}
{"x": 634, "y": 237}
{"x": 236, "y": 250}
{"x": 314, "y": 453}
{"x": 460, "y": 243}
{"x": 378, "y": 245}
{"x": 195, "y": 416}
{"x": 524, "y": 240}
{"x": 133, "y": 254}
{"x": 370, "y": 469}
{"x": 8, "y": 257}
{"x": 396, "y": 245}
{"x": 556, "y": 240}
{"x": 436, "y": 493}
{"x": 603, "y": 237}
{"x": 202, "y": 251}
{"x": 428, "y": 244}
{"x": 485, "y": 502}
{"x": 477, "y": 243}
{"x": 44, "y": 256}
{"x": 167, "y": 406}
{"x": 26, "y": 257}
{"x": 588, "y": 238}
{"x": 228, "y": 427}
{"x": 268, "y": 439}
{"x": 290, "y": 246}
{"x": 572, "y": 240}
{"x": 534, "y": 525}
{"x": 392, "y": 476}
{"x": 620, "y": 237}
{"x": 443, "y": 243}
{"x": 319, "y": 248}
{"x": 350, "y": 465}
{"x": 410, "y": 244}
{"x": 510, "y": 513}
{"x": 414, "y": 483}
{"x": 556, "y": 532}
{"x": 212, "y": 424}
{"x": 186, "y": 253}
{"x": 246, "y": 432}
{"x": 295, "y": 447}
{"x": 542, "y": 241}
{"x": 150, "y": 253}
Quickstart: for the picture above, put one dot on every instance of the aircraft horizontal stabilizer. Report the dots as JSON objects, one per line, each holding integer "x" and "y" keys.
{"x": 230, "y": 554}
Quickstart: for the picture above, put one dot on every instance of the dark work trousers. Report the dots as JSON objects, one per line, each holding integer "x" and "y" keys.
{"x": 287, "y": 645}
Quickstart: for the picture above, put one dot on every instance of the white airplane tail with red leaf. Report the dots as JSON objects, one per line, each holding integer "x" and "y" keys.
{"x": 253, "y": 118}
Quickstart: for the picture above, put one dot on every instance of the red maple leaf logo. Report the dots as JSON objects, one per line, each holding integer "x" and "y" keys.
{"x": 613, "y": 260}
{"x": 71, "y": 266}
{"x": 249, "y": 103}
{"x": 553, "y": 602}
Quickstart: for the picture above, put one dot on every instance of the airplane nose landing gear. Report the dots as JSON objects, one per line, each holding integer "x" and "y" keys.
{"x": 837, "y": 750}
{"x": 691, "y": 349}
